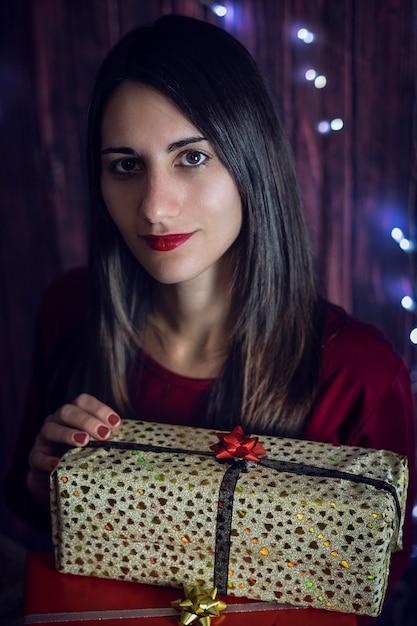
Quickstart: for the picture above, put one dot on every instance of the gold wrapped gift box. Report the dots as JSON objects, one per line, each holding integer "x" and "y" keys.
{"x": 310, "y": 524}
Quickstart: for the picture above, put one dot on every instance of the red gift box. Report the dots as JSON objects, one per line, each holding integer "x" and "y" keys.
{"x": 53, "y": 598}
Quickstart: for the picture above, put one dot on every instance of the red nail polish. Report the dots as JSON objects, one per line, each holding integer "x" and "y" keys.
{"x": 53, "y": 464}
{"x": 80, "y": 438}
{"x": 113, "y": 419}
{"x": 103, "y": 431}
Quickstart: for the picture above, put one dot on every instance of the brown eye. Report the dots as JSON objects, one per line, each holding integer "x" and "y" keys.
{"x": 127, "y": 165}
{"x": 193, "y": 158}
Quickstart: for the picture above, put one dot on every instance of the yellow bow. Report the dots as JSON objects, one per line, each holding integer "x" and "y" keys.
{"x": 199, "y": 605}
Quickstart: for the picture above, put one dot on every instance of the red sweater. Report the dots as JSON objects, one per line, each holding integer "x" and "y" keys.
{"x": 364, "y": 397}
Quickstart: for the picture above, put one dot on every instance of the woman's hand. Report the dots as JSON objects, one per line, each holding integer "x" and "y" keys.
{"x": 71, "y": 425}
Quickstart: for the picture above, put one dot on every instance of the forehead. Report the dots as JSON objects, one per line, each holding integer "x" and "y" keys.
{"x": 136, "y": 108}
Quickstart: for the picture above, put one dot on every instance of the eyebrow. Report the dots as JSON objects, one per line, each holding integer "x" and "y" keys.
{"x": 171, "y": 148}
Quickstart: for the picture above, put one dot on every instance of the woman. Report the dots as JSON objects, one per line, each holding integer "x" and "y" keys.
{"x": 202, "y": 303}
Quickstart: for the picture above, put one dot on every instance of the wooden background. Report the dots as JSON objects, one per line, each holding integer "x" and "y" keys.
{"x": 357, "y": 183}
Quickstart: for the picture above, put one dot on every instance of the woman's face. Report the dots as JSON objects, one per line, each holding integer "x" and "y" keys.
{"x": 175, "y": 204}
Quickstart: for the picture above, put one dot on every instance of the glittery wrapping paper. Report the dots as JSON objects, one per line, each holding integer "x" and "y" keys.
{"x": 152, "y": 516}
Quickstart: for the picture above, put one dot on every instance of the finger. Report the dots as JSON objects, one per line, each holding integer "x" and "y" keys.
{"x": 95, "y": 407}
{"x": 74, "y": 432}
{"x": 41, "y": 461}
{"x": 74, "y": 426}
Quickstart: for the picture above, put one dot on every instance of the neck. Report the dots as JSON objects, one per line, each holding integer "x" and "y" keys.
{"x": 188, "y": 328}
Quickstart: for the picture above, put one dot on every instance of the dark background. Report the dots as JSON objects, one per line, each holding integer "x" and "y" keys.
{"x": 357, "y": 183}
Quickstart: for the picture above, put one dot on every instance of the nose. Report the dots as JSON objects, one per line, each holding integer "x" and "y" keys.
{"x": 160, "y": 198}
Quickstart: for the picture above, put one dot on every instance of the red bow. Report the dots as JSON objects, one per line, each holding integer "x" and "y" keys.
{"x": 235, "y": 445}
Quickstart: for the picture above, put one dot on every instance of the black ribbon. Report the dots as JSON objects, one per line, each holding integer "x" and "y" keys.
{"x": 224, "y": 525}
{"x": 228, "y": 486}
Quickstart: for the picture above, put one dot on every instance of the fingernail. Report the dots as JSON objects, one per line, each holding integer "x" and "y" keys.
{"x": 80, "y": 438}
{"x": 103, "y": 431}
{"x": 113, "y": 419}
{"x": 53, "y": 464}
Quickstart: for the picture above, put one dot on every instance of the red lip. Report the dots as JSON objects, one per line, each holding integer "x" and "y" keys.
{"x": 165, "y": 243}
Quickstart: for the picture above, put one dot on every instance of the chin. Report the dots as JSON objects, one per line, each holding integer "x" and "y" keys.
{"x": 170, "y": 276}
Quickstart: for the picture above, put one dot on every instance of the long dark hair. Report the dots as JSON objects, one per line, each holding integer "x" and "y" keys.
{"x": 269, "y": 378}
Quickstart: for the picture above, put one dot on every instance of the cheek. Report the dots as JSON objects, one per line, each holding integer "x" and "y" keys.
{"x": 223, "y": 198}
{"x": 118, "y": 205}
{"x": 230, "y": 208}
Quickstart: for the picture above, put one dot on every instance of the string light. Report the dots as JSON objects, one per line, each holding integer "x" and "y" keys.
{"x": 310, "y": 74}
{"x": 305, "y": 35}
{"x": 320, "y": 81}
{"x": 406, "y": 244}
{"x": 397, "y": 234}
{"x": 218, "y": 8}
{"x": 409, "y": 246}
{"x": 336, "y": 124}
{"x": 408, "y": 303}
{"x": 325, "y": 127}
